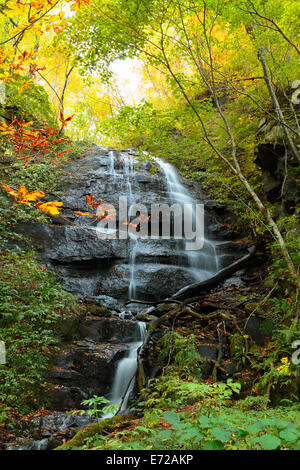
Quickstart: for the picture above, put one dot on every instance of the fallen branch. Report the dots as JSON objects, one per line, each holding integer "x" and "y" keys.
{"x": 214, "y": 280}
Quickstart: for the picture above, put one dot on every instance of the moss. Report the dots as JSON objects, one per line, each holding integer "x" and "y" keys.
{"x": 145, "y": 317}
{"x": 164, "y": 308}
{"x": 250, "y": 307}
{"x": 236, "y": 345}
{"x": 98, "y": 310}
{"x": 67, "y": 327}
{"x": 95, "y": 428}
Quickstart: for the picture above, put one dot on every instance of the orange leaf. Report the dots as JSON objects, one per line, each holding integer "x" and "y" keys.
{"x": 84, "y": 214}
{"x": 50, "y": 207}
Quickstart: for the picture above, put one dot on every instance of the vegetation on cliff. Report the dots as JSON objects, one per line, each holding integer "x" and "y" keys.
{"x": 219, "y": 99}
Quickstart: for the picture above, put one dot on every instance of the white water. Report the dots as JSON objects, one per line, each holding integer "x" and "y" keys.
{"x": 126, "y": 370}
{"x": 132, "y": 258}
{"x": 201, "y": 263}
{"x": 112, "y": 162}
{"x": 134, "y": 241}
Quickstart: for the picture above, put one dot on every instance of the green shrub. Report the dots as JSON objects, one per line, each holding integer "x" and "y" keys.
{"x": 32, "y": 303}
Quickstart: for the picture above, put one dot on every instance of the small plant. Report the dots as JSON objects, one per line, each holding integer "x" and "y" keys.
{"x": 96, "y": 409}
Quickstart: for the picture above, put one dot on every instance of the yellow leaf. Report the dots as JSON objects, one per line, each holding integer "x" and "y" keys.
{"x": 34, "y": 195}
{"x": 50, "y": 207}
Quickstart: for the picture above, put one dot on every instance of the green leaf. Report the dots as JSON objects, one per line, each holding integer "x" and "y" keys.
{"x": 254, "y": 428}
{"x": 213, "y": 445}
{"x": 171, "y": 417}
{"x": 269, "y": 442}
{"x": 289, "y": 435}
{"x": 221, "y": 434}
{"x": 166, "y": 434}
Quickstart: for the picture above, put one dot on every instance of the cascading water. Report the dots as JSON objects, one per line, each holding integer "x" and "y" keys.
{"x": 112, "y": 162}
{"x": 202, "y": 263}
{"x": 124, "y": 379}
{"x": 129, "y": 171}
{"x": 132, "y": 258}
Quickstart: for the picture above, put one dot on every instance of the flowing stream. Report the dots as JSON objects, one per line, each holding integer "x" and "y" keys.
{"x": 124, "y": 379}
{"x": 201, "y": 264}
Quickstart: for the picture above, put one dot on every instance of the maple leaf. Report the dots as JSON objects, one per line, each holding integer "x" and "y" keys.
{"x": 23, "y": 196}
{"x": 63, "y": 120}
{"x": 51, "y": 207}
{"x": 78, "y": 3}
{"x": 84, "y": 214}
{"x": 27, "y": 196}
{"x": 10, "y": 191}
{"x": 7, "y": 129}
{"x": 105, "y": 211}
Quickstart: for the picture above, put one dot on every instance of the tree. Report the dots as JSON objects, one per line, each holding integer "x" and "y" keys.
{"x": 193, "y": 41}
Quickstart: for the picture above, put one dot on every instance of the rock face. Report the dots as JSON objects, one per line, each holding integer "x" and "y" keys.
{"x": 91, "y": 265}
{"x": 50, "y": 430}
{"x": 279, "y": 169}
{"x": 86, "y": 367}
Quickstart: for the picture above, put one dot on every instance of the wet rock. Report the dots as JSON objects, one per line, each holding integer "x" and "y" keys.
{"x": 90, "y": 265}
{"x": 48, "y": 431}
{"x": 219, "y": 232}
{"x": 233, "y": 281}
{"x": 29, "y": 445}
{"x": 208, "y": 352}
{"x": 108, "y": 302}
{"x": 59, "y": 423}
{"x": 254, "y": 329}
{"x": 80, "y": 371}
{"x": 113, "y": 330}
{"x": 213, "y": 205}
{"x": 153, "y": 281}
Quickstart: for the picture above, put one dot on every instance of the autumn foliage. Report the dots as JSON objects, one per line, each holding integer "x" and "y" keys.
{"x": 23, "y": 196}
{"x": 34, "y": 144}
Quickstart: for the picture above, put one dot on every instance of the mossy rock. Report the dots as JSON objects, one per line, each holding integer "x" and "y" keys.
{"x": 164, "y": 308}
{"x": 67, "y": 327}
{"x": 250, "y": 307}
{"x": 236, "y": 343}
{"x": 108, "y": 424}
{"x": 145, "y": 317}
{"x": 98, "y": 310}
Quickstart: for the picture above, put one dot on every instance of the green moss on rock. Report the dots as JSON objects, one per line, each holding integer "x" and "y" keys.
{"x": 108, "y": 424}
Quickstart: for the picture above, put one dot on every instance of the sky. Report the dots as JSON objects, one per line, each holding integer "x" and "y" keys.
{"x": 126, "y": 73}
{"x": 129, "y": 80}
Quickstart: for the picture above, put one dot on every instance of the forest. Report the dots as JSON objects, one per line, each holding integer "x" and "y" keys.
{"x": 114, "y": 336}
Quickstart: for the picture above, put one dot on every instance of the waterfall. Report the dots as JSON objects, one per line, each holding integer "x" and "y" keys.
{"x": 132, "y": 257}
{"x": 202, "y": 263}
{"x": 129, "y": 171}
{"x": 112, "y": 162}
{"x": 124, "y": 379}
